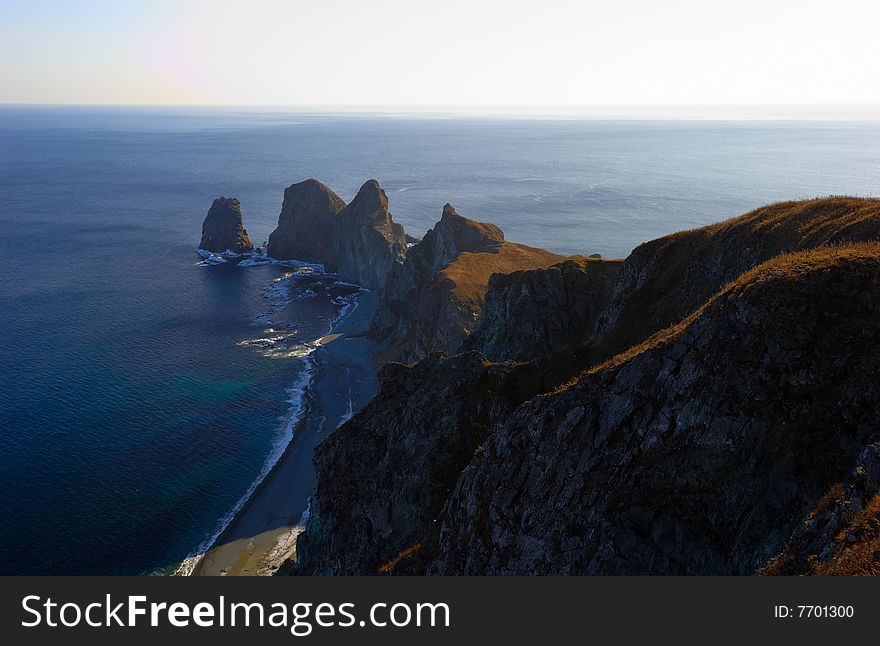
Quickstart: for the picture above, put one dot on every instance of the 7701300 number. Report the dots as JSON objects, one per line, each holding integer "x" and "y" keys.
{"x": 829, "y": 612}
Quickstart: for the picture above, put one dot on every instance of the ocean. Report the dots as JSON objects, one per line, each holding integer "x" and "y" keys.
{"x": 143, "y": 392}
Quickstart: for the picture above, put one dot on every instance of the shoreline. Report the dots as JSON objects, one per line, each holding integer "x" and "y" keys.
{"x": 262, "y": 533}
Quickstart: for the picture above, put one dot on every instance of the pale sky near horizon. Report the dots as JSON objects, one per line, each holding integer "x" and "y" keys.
{"x": 408, "y": 54}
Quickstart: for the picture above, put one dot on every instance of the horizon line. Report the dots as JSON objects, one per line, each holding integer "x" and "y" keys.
{"x": 642, "y": 111}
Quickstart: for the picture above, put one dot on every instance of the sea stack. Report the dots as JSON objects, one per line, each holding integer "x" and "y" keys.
{"x": 365, "y": 242}
{"x": 223, "y": 229}
{"x": 306, "y": 223}
{"x": 435, "y": 298}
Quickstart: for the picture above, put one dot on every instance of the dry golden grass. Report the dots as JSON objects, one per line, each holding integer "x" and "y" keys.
{"x": 676, "y": 285}
{"x": 405, "y": 554}
{"x": 862, "y": 557}
{"x": 833, "y": 218}
{"x": 782, "y": 268}
{"x": 829, "y": 216}
{"x": 469, "y": 273}
{"x": 830, "y": 498}
{"x": 586, "y": 262}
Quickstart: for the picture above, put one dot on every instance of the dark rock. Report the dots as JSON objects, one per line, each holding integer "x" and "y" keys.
{"x": 543, "y": 312}
{"x": 365, "y": 242}
{"x": 384, "y": 476}
{"x": 697, "y": 465}
{"x": 698, "y": 448}
{"x": 306, "y": 224}
{"x": 849, "y": 510}
{"x": 223, "y": 229}
{"x": 434, "y": 299}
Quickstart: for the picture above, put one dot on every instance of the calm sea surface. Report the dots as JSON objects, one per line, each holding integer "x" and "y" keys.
{"x": 136, "y": 408}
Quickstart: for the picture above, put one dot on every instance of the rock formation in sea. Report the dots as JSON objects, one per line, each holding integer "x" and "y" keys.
{"x": 366, "y": 243}
{"x": 359, "y": 241}
{"x": 715, "y": 413}
{"x": 223, "y": 229}
{"x": 306, "y": 224}
{"x": 434, "y": 299}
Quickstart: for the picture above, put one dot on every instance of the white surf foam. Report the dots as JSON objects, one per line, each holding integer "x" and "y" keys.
{"x": 253, "y": 259}
{"x": 347, "y": 415}
{"x": 278, "y": 294}
{"x": 298, "y": 398}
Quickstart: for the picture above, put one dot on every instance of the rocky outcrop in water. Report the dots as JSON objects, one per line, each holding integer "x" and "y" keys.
{"x": 358, "y": 241}
{"x": 307, "y": 223}
{"x": 435, "y": 298}
{"x": 223, "y": 229}
{"x": 730, "y": 413}
{"x": 366, "y": 243}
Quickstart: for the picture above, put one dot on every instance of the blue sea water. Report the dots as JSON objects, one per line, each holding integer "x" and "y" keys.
{"x": 135, "y": 411}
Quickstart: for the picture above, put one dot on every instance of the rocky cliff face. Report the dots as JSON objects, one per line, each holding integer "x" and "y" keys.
{"x": 223, "y": 229}
{"x": 366, "y": 243}
{"x": 307, "y": 223}
{"x": 434, "y": 299}
{"x": 699, "y": 449}
{"x": 841, "y": 536}
{"x": 409, "y": 444}
{"x": 544, "y": 312}
{"x": 664, "y": 280}
{"x": 696, "y": 453}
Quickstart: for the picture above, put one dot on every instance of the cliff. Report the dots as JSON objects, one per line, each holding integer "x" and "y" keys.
{"x": 366, "y": 243}
{"x": 664, "y": 280}
{"x": 695, "y": 453}
{"x": 700, "y": 448}
{"x": 223, "y": 228}
{"x": 434, "y": 299}
{"x": 841, "y": 536}
{"x": 306, "y": 224}
{"x": 410, "y": 444}
{"x": 544, "y": 312}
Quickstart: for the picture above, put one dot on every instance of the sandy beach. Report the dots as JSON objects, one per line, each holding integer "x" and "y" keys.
{"x": 264, "y": 532}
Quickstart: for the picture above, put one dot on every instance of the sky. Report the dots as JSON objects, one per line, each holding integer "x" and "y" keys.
{"x": 408, "y": 54}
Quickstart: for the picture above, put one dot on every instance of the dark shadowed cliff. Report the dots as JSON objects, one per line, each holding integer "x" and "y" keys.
{"x": 306, "y": 223}
{"x": 544, "y": 312}
{"x": 223, "y": 229}
{"x": 841, "y": 535}
{"x": 666, "y": 279}
{"x": 696, "y": 453}
{"x": 434, "y": 299}
{"x": 695, "y": 438}
{"x": 409, "y": 445}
